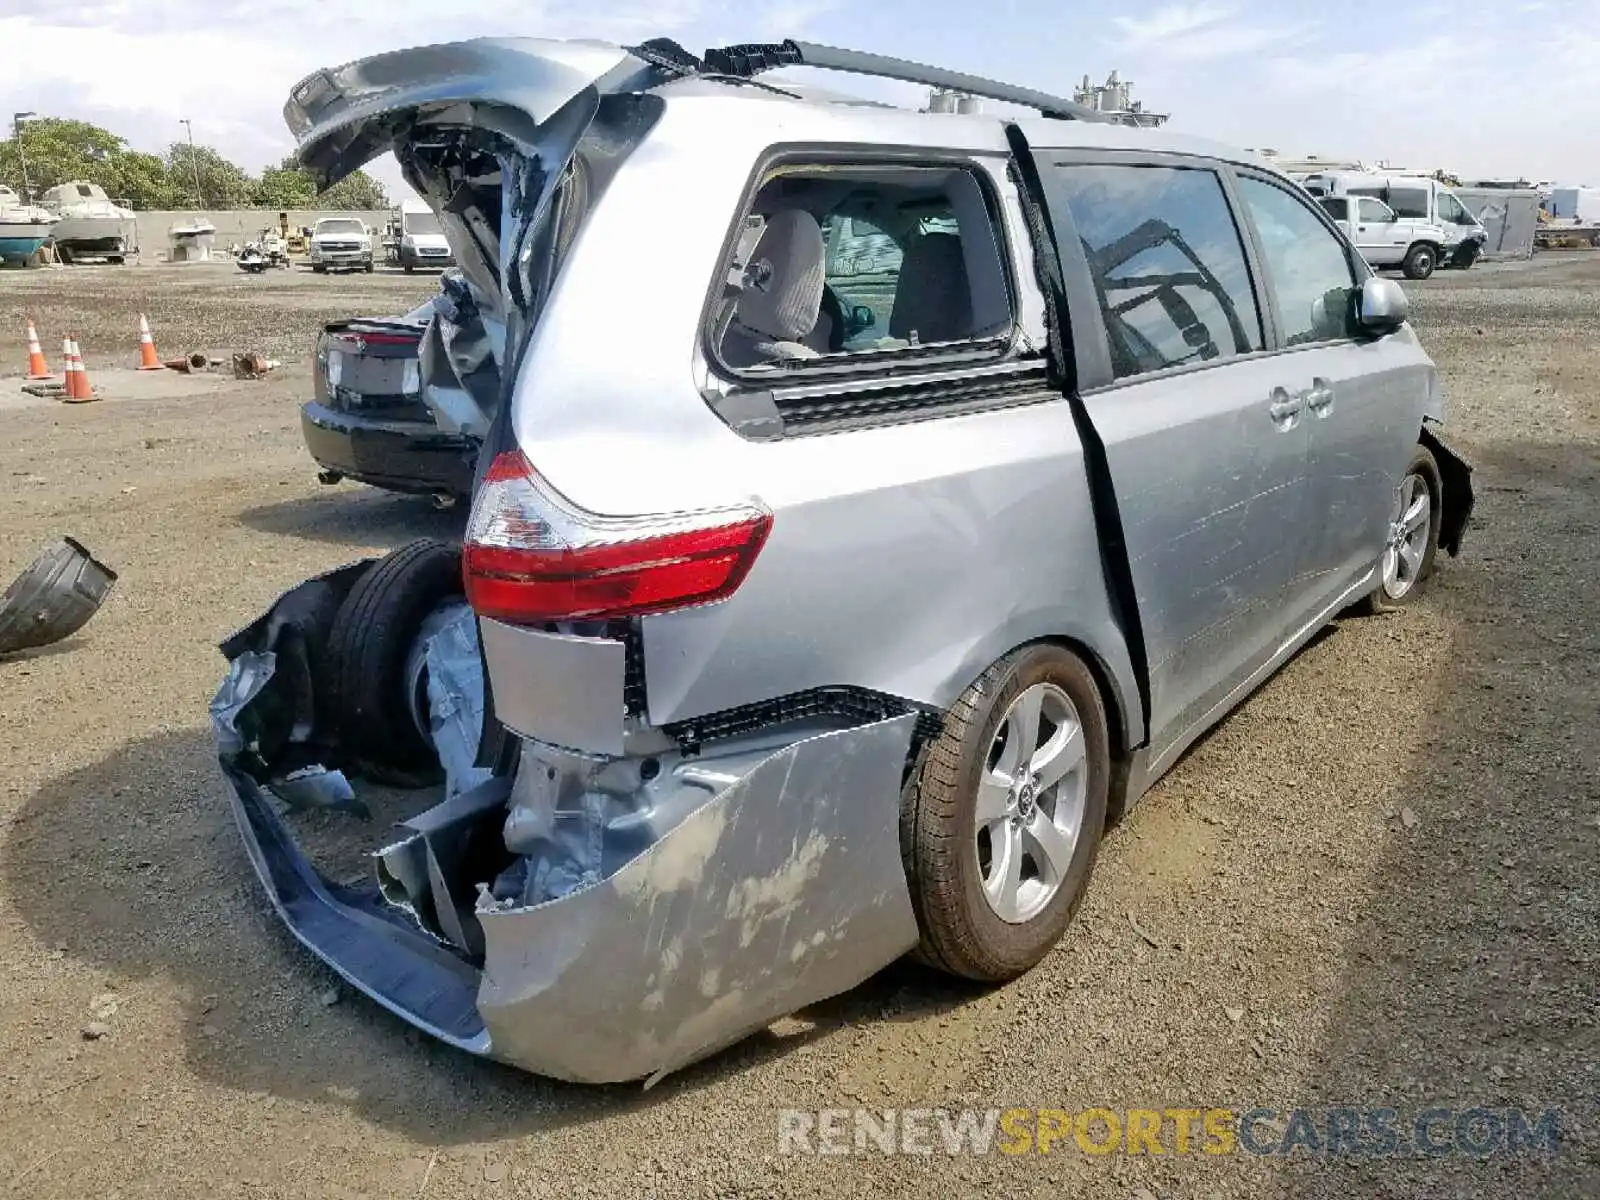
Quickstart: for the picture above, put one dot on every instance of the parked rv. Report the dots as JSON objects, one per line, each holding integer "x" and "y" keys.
{"x": 1411, "y": 222}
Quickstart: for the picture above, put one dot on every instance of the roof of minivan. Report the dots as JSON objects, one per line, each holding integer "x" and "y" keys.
{"x": 1042, "y": 132}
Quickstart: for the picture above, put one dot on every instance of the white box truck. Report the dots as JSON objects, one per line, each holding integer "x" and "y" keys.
{"x": 422, "y": 240}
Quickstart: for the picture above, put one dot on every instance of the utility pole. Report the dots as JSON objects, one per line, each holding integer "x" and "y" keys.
{"x": 17, "y": 120}
{"x": 199, "y": 201}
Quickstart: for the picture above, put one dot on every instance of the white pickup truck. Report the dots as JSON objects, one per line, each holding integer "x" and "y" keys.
{"x": 1413, "y": 223}
{"x": 341, "y": 244}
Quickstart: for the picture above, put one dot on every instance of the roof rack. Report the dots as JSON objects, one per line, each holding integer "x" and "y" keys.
{"x": 750, "y": 59}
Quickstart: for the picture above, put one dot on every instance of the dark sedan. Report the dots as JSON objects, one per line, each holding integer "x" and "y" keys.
{"x": 369, "y": 422}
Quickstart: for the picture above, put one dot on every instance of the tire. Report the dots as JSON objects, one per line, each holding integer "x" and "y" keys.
{"x": 943, "y": 840}
{"x": 319, "y": 268}
{"x": 1420, "y": 261}
{"x": 410, "y": 267}
{"x": 367, "y": 266}
{"x": 1402, "y": 588}
{"x": 372, "y": 637}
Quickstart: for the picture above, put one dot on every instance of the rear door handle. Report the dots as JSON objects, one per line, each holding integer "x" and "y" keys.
{"x": 1285, "y": 408}
{"x": 1320, "y": 397}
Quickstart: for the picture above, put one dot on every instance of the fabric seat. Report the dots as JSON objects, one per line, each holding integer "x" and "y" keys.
{"x": 933, "y": 300}
{"x": 777, "y": 316}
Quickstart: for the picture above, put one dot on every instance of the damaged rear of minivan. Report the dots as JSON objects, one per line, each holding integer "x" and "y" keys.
{"x": 442, "y": 760}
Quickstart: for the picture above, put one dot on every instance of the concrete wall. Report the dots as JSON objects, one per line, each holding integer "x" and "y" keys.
{"x": 239, "y": 225}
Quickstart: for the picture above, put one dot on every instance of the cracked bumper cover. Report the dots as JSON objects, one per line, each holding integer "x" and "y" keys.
{"x": 784, "y": 888}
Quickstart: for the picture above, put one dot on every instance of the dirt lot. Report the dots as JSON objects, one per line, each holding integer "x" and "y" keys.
{"x": 1378, "y": 884}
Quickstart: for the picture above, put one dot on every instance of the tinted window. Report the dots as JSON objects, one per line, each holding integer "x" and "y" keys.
{"x": 1375, "y": 211}
{"x": 1310, "y": 273}
{"x": 1409, "y": 202}
{"x": 1337, "y": 208}
{"x": 1167, "y": 262}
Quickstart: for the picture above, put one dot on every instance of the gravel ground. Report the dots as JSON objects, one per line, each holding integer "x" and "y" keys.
{"x": 1375, "y": 885}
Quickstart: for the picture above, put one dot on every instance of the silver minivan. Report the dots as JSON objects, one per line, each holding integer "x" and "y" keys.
{"x": 871, "y": 505}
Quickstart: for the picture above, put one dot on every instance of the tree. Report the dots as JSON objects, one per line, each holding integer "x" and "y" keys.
{"x": 289, "y": 185}
{"x": 222, "y": 184}
{"x": 58, "y": 151}
{"x": 141, "y": 180}
{"x": 284, "y": 187}
{"x": 357, "y": 192}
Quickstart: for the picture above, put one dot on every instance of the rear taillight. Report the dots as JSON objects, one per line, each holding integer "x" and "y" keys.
{"x": 358, "y": 342}
{"x": 532, "y": 555}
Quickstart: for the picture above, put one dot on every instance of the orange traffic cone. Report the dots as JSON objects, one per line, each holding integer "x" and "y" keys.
{"x": 147, "y": 348}
{"x": 67, "y": 372}
{"x": 78, "y": 389}
{"x": 37, "y": 367}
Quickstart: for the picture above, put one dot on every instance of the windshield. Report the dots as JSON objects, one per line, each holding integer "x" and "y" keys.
{"x": 339, "y": 225}
{"x": 421, "y": 222}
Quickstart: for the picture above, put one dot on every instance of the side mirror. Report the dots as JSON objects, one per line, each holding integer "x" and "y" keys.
{"x": 861, "y": 317}
{"x": 1383, "y": 307}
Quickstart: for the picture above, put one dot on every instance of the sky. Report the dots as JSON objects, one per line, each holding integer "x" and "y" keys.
{"x": 1481, "y": 90}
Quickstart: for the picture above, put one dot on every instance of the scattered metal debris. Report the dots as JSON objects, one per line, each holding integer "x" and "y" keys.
{"x": 53, "y": 598}
{"x": 189, "y": 363}
{"x": 252, "y": 366}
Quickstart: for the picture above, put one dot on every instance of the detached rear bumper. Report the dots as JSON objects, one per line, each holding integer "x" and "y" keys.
{"x": 356, "y": 932}
{"x": 398, "y": 456}
{"x": 783, "y": 886}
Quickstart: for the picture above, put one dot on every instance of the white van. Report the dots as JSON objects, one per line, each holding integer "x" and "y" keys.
{"x": 422, "y": 241}
{"x": 1406, "y": 221}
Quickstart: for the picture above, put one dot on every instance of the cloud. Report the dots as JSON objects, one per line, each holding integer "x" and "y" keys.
{"x": 1202, "y": 32}
{"x": 137, "y": 67}
{"x": 1172, "y": 21}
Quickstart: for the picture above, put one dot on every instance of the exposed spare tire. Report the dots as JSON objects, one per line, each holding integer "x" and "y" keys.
{"x": 373, "y": 635}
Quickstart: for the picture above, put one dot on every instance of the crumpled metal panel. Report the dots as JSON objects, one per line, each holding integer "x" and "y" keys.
{"x": 344, "y": 117}
{"x": 54, "y": 597}
{"x": 455, "y": 699}
{"x": 784, "y": 889}
{"x": 564, "y": 690}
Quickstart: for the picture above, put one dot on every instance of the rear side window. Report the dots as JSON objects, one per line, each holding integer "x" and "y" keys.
{"x": 1409, "y": 202}
{"x": 865, "y": 263}
{"x": 1376, "y": 211}
{"x": 1336, "y": 207}
{"x": 1306, "y": 264}
{"x": 1167, "y": 262}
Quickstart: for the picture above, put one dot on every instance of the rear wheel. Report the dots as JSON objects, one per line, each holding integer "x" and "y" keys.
{"x": 370, "y": 646}
{"x": 1002, "y": 818}
{"x": 1420, "y": 261}
{"x": 1413, "y": 536}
